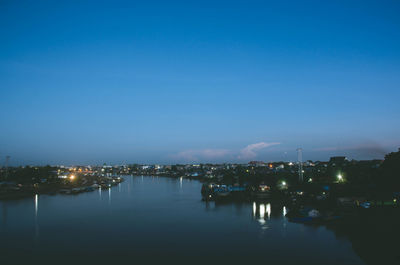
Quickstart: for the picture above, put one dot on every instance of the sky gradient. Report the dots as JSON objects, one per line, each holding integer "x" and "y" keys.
{"x": 214, "y": 81}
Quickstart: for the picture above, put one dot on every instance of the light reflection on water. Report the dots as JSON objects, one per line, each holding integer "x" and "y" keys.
{"x": 36, "y": 199}
{"x": 150, "y": 216}
{"x": 263, "y": 214}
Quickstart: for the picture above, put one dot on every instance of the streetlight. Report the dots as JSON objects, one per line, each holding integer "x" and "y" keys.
{"x": 340, "y": 177}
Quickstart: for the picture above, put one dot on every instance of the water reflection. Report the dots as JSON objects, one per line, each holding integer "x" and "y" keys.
{"x": 263, "y": 214}
{"x": 36, "y": 200}
{"x": 261, "y": 220}
{"x": 284, "y": 224}
{"x": 264, "y": 210}
{"x": 4, "y": 214}
{"x": 36, "y": 205}
{"x": 261, "y": 211}
{"x": 109, "y": 195}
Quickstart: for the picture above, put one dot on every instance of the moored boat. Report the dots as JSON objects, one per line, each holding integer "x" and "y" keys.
{"x": 221, "y": 191}
{"x": 262, "y": 192}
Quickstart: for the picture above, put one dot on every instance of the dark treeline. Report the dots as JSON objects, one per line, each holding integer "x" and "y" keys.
{"x": 368, "y": 174}
{"x": 29, "y": 174}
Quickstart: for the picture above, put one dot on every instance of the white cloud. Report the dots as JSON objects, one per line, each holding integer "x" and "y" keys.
{"x": 195, "y": 155}
{"x": 203, "y": 154}
{"x": 250, "y": 151}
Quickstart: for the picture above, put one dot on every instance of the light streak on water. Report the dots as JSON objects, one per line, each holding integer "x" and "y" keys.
{"x": 262, "y": 211}
{"x": 262, "y": 214}
{"x": 284, "y": 223}
{"x": 36, "y": 215}
{"x": 268, "y": 210}
{"x": 36, "y": 204}
{"x": 109, "y": 195}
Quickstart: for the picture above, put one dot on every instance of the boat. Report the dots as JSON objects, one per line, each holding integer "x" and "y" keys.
{"x": 311, "y": 216}
{"x": 262, "y": 192}
{"x": 221, "y": 191}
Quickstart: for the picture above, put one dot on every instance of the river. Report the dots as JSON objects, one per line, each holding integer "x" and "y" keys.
{"x": 153, "y": 220}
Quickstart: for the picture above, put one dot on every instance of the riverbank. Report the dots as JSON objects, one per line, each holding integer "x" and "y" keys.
{"x": 13, "y": 191}
{"x": 374, "y": 234}
{"x": 371, "y": 225}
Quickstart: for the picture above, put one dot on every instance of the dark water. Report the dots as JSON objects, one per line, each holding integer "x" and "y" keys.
{"x": 159, "y": 220}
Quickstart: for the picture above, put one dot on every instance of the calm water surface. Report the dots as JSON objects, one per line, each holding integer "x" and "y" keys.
{"x": 159, "y": 220}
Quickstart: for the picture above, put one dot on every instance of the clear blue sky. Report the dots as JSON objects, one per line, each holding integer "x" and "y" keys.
{"x": 168, "y": 81}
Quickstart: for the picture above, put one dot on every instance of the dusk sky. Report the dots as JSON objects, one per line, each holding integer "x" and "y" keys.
{"x": 198, "y": 81}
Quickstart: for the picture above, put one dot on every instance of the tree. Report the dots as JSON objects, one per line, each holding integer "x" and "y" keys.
{"x": 389, "y": 172}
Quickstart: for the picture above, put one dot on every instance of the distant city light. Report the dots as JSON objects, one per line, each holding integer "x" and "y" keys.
{"x": 310, "y": 180}
{"x": 340, "y": 177}
{"x": 283, "y": 183}
{"x": 72, "y": 177}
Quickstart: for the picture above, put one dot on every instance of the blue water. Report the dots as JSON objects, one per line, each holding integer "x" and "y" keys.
{"x": 159, "y": 220}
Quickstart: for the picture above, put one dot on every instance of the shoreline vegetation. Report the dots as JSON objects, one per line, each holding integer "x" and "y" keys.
{"x": 373, "y": 180}
{"x": 73, "y": 184}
